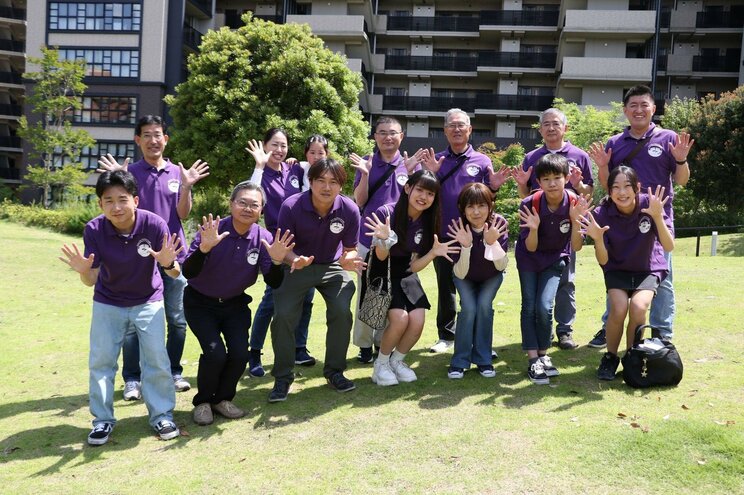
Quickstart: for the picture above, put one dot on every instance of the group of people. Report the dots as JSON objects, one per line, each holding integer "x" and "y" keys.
{"x": 407, "y": 212}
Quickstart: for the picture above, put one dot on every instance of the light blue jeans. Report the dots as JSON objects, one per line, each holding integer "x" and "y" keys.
{"x": 538, "y": 294}
{"x": 474, "y": 334}
{"x": 108, "y": 326}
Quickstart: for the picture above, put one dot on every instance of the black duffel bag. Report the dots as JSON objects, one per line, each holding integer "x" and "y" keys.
{"x": 651, "y": 362}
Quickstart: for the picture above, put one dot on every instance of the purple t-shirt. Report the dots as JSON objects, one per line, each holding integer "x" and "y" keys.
{"x": 575, "y": 156}
{"x": 474, "y": 168}
{"x": 632, "y": 240}
{"x": 654, "y": 164}
{"x": 553, "y": 236}
{"x": 159, "y": 192}
{"x": 382, "y": 213}
{"x": 322, "y": 237}
{"x": 480, "y": 268}
{"x": 129, "y": 275}
{"x": 414, "y": 234}
{"x": 389, "y": 191}
{"x": 279, "y": 185}
{"x": 232, "y": 265}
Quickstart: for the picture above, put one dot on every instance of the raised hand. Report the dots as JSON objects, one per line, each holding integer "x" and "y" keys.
{"x": 496, "y": 178}
{"x": 169, "y": 250}
{"x": 575, "y": 176}
{"x": 290, "y": 161}
{"x": 681, "y": 147}
{"x": 360, "y": 163}
{"x": 430, "y": 161}
{"x": 301, "y": 262}
{"x": 598, "y": 154}
{"x": 590, "y": 227}
{"x": 256, "y": 149}
{"x": 281, "y": 247}
{"x": 75, "y": 260}
{"x": 460, "y": 233}
{"x": 411, "y": 162}
{"x": 444, "y": 249}
{"x": 579, "y": 207}
{"x": 378, "y": 228}
{"x": 352, "y": 263}
{"x": 108, "y": 163}
{"x": 210, "y": 235}
{"x": 493, "y": 233}
{"x": 656, "y": 203}
{"x": 522, "y": 177}
{"x": 529, "y": 218}
{"x": 191, "y": 176}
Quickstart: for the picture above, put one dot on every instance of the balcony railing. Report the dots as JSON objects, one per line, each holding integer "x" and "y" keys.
{"x": 517, "y": 59}
{"x": 704, "y": 63}
{"x": 10, "y": 173}
{"x": 13, "y": 13}
{"x": 665, "y": 18}
{"x": 661, "y": 62}
{"x": 10, "y": 78}
{"x": 719, "y": 20}
{"x": 12, "y": 46}
{"x": 431, "y": 63}
{"x": 10, "y": 109}
{"x": 513, "y": 102}
{"x": 191, "y": 37}
{"x": 276, "y": 19}
{"x": 519, "y": 18}
{"x": 10, "y": 142}
{"x": 203, "y": 5}
{"x": 427, "y": 103}
{"x": 436, "y": 23}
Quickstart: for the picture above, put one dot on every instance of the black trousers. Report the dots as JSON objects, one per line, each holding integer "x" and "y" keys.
{"x": 222, "y": 363}
{"x": 446, "y": 302}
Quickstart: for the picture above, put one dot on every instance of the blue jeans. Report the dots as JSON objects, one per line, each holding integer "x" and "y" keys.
{"x": 565, "y": 299}
{"x": 475, "y": 321}
{"x": 265, "y": 313}
{"x": 108, "y": 326}
{"x": 663, "y": 307}
{"x": 173, "y": 300}
{"x": 538, "y": 294}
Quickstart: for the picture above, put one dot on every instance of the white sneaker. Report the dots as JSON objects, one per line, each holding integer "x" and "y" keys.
{"x": 132, "y": 390}
{"x": 442, "y": 346}
{"x": 402, "y": 371}
{"x": 383, "y": 374}
{"x": 180, "y": 383}
{"x": 550, "y": 370}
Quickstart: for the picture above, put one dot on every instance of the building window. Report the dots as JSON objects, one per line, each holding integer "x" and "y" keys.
{"x": 89, "y": 156}
{"x": 105, "y": 63}
{"x": 94, "y": 16}
{"x": 527, "y": 133}
{"x": 106, "y": 110}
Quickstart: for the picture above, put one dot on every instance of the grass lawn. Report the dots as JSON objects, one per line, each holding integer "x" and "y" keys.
{"x": 476, "y": 435}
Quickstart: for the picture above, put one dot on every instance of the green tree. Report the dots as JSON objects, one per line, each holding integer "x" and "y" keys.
{"x": 679, "y": 114}
{"x": 507, "y": 199}
{"x": 259, "y": 76}
{"x": 55, "y": 145}
{"x": 589, "y": 124}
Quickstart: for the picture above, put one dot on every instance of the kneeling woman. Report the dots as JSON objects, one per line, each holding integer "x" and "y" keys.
{"x": 415, "y": 218}
{"x": 224, "y": 260}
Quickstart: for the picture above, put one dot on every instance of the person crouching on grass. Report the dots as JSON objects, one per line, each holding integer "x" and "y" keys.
{"x": 547, "y": 235}
{"x": 223, "y": 261}
{"x": 123, "y": 249}
{"x": 631, "y": 231}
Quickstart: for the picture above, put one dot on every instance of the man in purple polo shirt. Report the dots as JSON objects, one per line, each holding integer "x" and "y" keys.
{"x": 125, "y": 251}
{"x": 553, "y": 127}
{"x": 456, "y": 166}
{"x": 378, "y": 181}
{"x": 165, "y": 189}
{"x": 660, "y": 161}
{"x": 325, "y": 225}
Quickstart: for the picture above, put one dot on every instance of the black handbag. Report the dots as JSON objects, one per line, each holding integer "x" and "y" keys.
{"x": 376, "y": 301}
{"x": 651, "y": 362}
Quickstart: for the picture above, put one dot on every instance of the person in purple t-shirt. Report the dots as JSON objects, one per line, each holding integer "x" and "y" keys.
{"x": 225, "y": 259}
{"x": 123, "y": 249}
{"x": 631, "y": 232}
{"x": 661, "y": 160}
{"x": 479, "y": 271}
{"x": 165, "y": 189}
{"x": 454, "y": 167}
{"x": 325, "y": 225}
{"x": 379, "y": 180}
{"x": 280, "y": 180}
{"x": 406, "y": 239}
{"x": 553, "y": 128}
{"x": 547, "y": 236}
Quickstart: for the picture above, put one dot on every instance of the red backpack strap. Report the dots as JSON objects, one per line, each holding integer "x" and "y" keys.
{"x": 536, "y": 196}
{"x": 572, "y": 196}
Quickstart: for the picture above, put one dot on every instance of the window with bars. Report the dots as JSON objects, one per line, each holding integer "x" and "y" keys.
{"x": 94, "y": 16}
{"x": 90, "y": 155}
{"x": 105, "y": 62}
{"x": 106, "y": 110}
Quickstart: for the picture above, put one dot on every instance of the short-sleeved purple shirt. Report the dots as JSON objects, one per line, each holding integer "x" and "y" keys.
{"x": 575, "y": 156}
{"x": 159, "y": 192}
{"x": 279, "y": 185}
{"x": 632, "y": 240}
{"x": 322, "y": 237}
{"x": 129, "y": 275}
{"x": 481, "y": 269}
{"x": 414, "y": 233}
{"x": 232, "y": 265}
{"x": 389, "y": 191}
{"x": 473, "y": 167}
{"x": 553, "y": 236}
{"x": 382, "y": 213}
{"x": 654, "y": 164}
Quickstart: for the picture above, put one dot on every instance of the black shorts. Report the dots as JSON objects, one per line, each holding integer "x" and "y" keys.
{"x": 631, "y": 281}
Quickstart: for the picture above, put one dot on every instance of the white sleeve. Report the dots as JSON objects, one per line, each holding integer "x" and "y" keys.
{"x": 495, "y": 253}
{"x": 462, "y": 266}
{"x": 305, "y": 181}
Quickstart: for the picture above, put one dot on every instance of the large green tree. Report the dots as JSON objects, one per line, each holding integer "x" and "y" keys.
{"x": 588, "y": 124}
{"x": 55, "y": 144}
{"x": 262, "y": 75}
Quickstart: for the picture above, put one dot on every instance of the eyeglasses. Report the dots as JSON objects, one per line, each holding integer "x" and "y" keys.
{"x": 385, "y": 134}
{"x": 457, "y": 125}
{"x": 245, "y": 205}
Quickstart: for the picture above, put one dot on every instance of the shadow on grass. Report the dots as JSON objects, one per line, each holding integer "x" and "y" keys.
{"x": 732, "y": 246}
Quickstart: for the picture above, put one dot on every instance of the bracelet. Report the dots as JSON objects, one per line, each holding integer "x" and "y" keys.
{"x": 681, "y": 162}
{"x": 169, "y": 267}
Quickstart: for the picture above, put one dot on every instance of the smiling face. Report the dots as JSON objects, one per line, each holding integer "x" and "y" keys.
{"x": 623, "y": 194}
{"x": 324, "y": 190}
{"x": 420, "y": 199}
{"x": 458, "y": 130}
{"x": 152, "y": 141}
{"x": 119, "y": 207}
{"x": 388, "y": 137}
{"x": 316, "y": 151}
{"x": 639, "y": 110}
{"x": 277, "y": 149}
{"x": 477, "y": 214}
{"x": 552, "y": 130}
{"x": 245, "y": 209}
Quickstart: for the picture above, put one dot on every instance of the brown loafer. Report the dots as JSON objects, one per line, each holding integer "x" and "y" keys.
{"x": 228, "y": 410}
{"x": 203, "y": 414}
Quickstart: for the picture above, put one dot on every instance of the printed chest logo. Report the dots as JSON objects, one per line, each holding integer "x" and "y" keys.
{"x": 401, "y": 179}
{"x": 173, "y": 185}
{"x": 571, "y": 163}
{"x": 337, "y": 225}
{"x": 143, "y": 248}
{"x": 418, "y": 236}
{"x": 565, "y": 226}
{"x": 252, "y": 256}
{"x": 644, "y": 225}
{"x": 655, "y": 150}
{"x": 472, "y": 170}
{"x": 294, "y": 181}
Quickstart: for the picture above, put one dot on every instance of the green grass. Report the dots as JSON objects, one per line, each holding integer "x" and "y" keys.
{"x": 436, "y": 435}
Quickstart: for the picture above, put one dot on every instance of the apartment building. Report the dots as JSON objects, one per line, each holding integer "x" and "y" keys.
{"x": 502, "y": 61}
{"x": 12, "y": 63}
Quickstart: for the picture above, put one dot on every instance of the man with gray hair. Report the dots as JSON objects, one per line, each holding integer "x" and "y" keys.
{"x": 553, "y": 127}
{"x": 455, "y": 167}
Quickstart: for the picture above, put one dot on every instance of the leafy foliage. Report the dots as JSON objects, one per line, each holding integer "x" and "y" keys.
{"x": 68, "y": 219}
{"x": 679, "y": 114}
{"x": 589, "y": 124}
{"x": 507, "y": 199}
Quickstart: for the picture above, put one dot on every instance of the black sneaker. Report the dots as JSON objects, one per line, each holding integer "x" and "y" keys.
{"x": 536, "y": 373}
{"x": 548, "y": 367}
{"x": 167, "y": 429}
{"x": 566, "y": 341}
{"x": 608, "y": 366}
{"x": 494, "y": 355}
{"x": 365, "y": 355}
{"x": 340, "y": 382}
{"x": 255, "y": 368}
{"x": 280, "y": 391}
{"x": 303, "y": 358}
{"x": 486, "y": 371}
{"x": 100, "y": 434}
{"x": 599, "y": 340}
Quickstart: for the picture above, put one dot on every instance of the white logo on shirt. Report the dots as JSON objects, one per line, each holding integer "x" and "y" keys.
{"x": 565, "y": 226}
{"x": 473, "y": 170}
{"x": 571, "y": 163}
{"x": 418, "y": 236}
{"x": 655, "y": 150}
{"x": 337, "y": 225}
{"x": 644, "y": 225}
{"x": 295, "y": 182}
{"x": 252, "y": 256}
{"x": 401, "y": 179}
{"x": 143, "y": 248}
{"x": 173, "y": 185}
